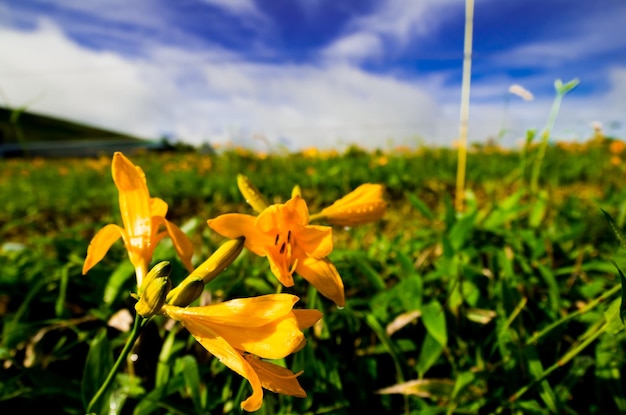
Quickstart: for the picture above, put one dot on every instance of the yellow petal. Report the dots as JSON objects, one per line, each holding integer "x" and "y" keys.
{"x": 307, "y": 318}
{"x": 277, "y": 337}
{"x": 270, "y": 221}
{"x": 316, "y": 241}
{"x": 296, "y": 191}
{"x": 363, "y": 205}
{"x": 100, "y": 244}
{"x": 280, "y": 265}
{"x": 323, "y": 275}
{"x": 134, "y": 199}
{"x": 235, "y": 225}
{"x": 271, "y": 341}
{"x": 276, "y": 378}
{"x": 158, "y": 207}
{"x": 182, "y": 243}
{"x": 233, "y": 359}
{"x": 240, "y": 312}
{"x": 295, "y": 211}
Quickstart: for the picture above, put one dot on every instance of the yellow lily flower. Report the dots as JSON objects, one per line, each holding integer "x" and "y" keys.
{"x": 142, "y": 217}
{"x": 264, "y": 326}
{"x": 282, "y": 233}
{"x": 363, "y": 205}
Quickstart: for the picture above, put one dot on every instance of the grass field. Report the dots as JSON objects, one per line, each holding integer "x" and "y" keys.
{"x": 512, "y": 306}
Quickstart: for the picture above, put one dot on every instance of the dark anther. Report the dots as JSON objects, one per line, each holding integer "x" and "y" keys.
{"x": 282, "y": 248}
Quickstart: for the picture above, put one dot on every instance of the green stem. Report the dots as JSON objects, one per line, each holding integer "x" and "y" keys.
{"x": 561, "y": 90}
{"x": 545, "y": 136}
{"x": 588, "y": 307}
{"x": 561, "y": 362}
{"x": 138, "y": 326}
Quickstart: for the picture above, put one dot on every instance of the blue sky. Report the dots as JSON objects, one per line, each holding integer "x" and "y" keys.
{"x": 325, "y": 73}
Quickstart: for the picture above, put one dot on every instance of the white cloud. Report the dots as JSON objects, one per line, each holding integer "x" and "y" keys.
{"x": 58, "y": 77}
{"x": 354, "y": 47}
{"x": 245, "y": 7}
{"x": 137, "y": 13}
{"x": 392, "y": 25}
{"x": 214, "y": 96}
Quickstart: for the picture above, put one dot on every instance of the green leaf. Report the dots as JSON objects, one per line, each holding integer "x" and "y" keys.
{"x": 59, "y": 306}
{"x": 434, "y": 320}
{"x": 616, "y": 230}
{"x": 622, "y": 308}
{"x": 553, "y": 287}
{"x": 536, "y": 370}
{"x": 168, "y": 348}
{"x": 97, "y": 367}
{"x": 608, "y": 377}
{"x": 375, "y": 279}
{"x": 373, "y": 323}
{"x": 565, "y": 88}
{"x": 461, "y": 230}
{"x": 429, "y": 354}
{"x": 122, "y": 273}
{"x": 152, "y": 401}
{"x": 612, "y": 314}
{"x": 506, "y": 211}
{"x": 188, "y": 366}
{"x": 421, "y": 206}
{"x": 538, "y": 209}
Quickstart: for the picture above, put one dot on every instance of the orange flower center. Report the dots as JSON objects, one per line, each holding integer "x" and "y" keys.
{"x": 286, "y": 250}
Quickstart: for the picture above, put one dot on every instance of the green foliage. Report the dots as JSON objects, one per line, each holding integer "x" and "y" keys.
{"x": 512, "y": 306}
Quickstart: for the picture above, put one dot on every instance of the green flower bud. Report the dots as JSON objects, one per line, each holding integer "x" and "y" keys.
{"x": 153, "y": 297}
{"x": 186, "y": 292}
{"x": 162, "y": 269}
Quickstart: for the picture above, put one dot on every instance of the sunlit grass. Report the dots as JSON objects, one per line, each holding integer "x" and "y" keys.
{"x": 443, "y": 312}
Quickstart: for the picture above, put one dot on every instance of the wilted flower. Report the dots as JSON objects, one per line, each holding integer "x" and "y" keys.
{"x": 142, "y": 216}
{"x": 237, "y": 331}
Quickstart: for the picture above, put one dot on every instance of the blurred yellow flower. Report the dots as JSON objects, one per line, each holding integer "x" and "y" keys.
{"x": 282, "y": 233}
{"x": 617, "y": 147}
{"x": 363, "y": 205}
{"x": 142, "y": 216}
{"x": 238, "y": 330}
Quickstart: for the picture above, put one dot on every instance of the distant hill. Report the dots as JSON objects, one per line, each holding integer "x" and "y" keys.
{"x": 32, "y": 134}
